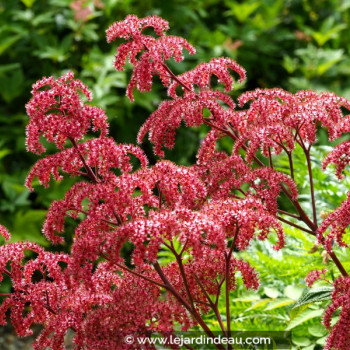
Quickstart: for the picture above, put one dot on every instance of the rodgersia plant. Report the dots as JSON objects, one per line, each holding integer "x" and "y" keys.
{"x": 202, "y": 214}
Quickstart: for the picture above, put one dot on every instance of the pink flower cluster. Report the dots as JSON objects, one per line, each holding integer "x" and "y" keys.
{"x": 339, "y": 337}
{"x": 5, "y": 233}
{"x": 100, "y": 306}
{"x": 340, "y": 156}
{"x": 162, "y": 124}
{"x": 338, "y": 221}
{"x": 314, "y": 276}
{"x": 146, "y": 53}
{"x": 276, "y": 119}
{"x": 201, "y": 76}
{"x": 57, "y": 112}
{"x": 101, "y": 153}
{"x": 200, "y": 215}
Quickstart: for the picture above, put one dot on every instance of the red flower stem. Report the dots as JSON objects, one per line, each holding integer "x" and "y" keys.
{"x": 159, "y": 196}
{"x": 173, "y": 76}
{"x": 213, "y": 306}
{"x": 119, "y": 219}
{"x": 219, "y": 284}
{"x": 299, "y": 209}
{"x": 103, "y": 220}
{"x": 194, "y": 312}
{"x": 184, "y": 278}
{"x": 308, "y": 161}
{"x": 201, "y": 302}
{"x": 228, "y": 285}
{"x": 295, "y": 225}
{"x": 183, "y": 248}
{"x": 125, "y": 268}
{"x": 227, "y": 297}
{"x": 307, "y": 221}
{"x": 338, "y": 264}
{"x": 205, "y": 121}
{"x": 140, "y": 275}
{"x": 336, "y": 261}
{"x": 291, "y": 167}
{"x": 7, "y": 272}
{"x": 270, "y": 158}
{"x": 288, "y": 214}
{"x": 289, "y": 154}
{"x": 88, "y": 169}
{"x": 307, "y": 153}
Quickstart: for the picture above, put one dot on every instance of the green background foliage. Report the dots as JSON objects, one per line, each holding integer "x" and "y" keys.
{"x": 293, "y": 44}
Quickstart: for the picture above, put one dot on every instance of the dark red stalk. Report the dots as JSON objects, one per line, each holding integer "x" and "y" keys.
{"x": 88, "y": 169}
{"x": 194, "y": 313}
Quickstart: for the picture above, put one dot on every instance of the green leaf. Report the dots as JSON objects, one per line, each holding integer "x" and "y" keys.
{"x": 27, "y": 226}
{"x": 290, "y": 64}
{"x": 303, "y": 317}
{"x": 28, "y": 3}
{"x": 8, "y": 67}
{"x": 242, "y": 11}
{"x": 321, "y": 341}
{"x": 7, "y": 42}
{"x": 279, "y": 303}
{"x": 334, "y": 56}
{"x": 271, "y": 292}
{"x": 310, "y": 347}
{"x": 4, "y": 153}
{"x": 317, "y": 330}
{"x": 314, "y": 295}
{"x": 301, "y": 341}
{"x": 293, "y": 292}
{"x": 12, "y": 85}
{"x": 247, "y": 297}
{"x": 327, "y": 31}
{"x": 259, "y": 304}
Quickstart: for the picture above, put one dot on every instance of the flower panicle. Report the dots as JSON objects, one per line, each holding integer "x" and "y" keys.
{"x": 145, "y": 52}
{"x": 339, "y": 337}
{"x": 337, "y": 221}
{"x": 57, "y": 112}
{"x": 277, "y": 120}
{"x": 314, "y": 276}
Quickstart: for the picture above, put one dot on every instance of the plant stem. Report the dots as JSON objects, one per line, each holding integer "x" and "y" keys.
{"x": 295, "y": 225}
{"x": 184, "y": 278}
{"x": 228, "y": 285}
{"x": 307, "y": 153}
{"x": 88, "y": 169}
{"x": 182, "y": 301}
{"x": 87, "y": 213}
{"x": 213, "y": 306}
{"x": 288, "y": 214}
{"x": 270, "y": 158}
{"x": 174, "y": 77}
{"x": 299, "y": 209}
{"x": 140, "y": 275}
{"x": 227, "y": 298}
{"x": 290, "y": 159}
{"x": 159, "y": 197}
